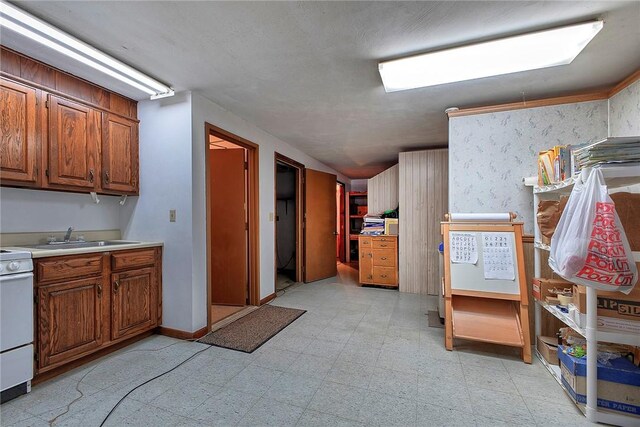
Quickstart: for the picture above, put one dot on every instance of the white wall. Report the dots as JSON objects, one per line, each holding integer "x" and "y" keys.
{"x": 203, "y": 111}
{"x": 165, "y": 183}
{"x": 624, "y": 112}
{"x": 23, "y": 210}
{"x": 358, "y": 185}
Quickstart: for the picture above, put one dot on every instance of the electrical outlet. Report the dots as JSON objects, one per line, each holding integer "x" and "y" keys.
{"x": 172, "y": 215}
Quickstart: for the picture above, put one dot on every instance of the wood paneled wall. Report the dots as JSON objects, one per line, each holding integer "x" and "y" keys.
{"x": 424, "y": 199}
{"x": 382, "y": 191}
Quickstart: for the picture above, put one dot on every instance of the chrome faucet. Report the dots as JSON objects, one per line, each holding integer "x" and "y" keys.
{"x": 67, "y": 236}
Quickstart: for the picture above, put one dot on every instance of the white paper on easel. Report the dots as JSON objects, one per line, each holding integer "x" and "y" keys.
{"x": 497, "y": 254}
{"x": 463, "y": 248}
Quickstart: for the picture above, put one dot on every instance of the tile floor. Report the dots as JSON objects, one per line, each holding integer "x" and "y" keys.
{"x": 359, "y": 356}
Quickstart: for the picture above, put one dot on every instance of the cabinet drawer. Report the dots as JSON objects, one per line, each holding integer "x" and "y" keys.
{"x": 383, "y": 242}
{"x": 365, "y": 242}
{"x": 384, "y": 275}
{"x": 127, "y": 260}
{"x": 384, "y": 257}
{"x": 68, "y": 267}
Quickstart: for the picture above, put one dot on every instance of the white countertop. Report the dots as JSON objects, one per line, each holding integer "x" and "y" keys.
{"x": 41, "y": 253}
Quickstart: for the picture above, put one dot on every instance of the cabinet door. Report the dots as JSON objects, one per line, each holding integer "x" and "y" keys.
{"x": 134, "y": 302}
{"x": 74, "y": 144}
{"x": 69, "y": 320}
{"x": 365, "y": 265}
{"x": 119, "y": 154}
{"x": 18, "y": 143}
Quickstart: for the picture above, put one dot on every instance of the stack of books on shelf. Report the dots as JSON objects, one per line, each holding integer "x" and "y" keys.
{"x": 609, "y": 151}
{"x": 554, "y": 165}
{"x": 372, "y": 225}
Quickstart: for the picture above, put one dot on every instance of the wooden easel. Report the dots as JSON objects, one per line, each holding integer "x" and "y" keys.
{"x": 493, "y": 311}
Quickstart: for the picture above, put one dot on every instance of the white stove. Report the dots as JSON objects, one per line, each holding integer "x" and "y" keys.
{"x": 16, "y": 323}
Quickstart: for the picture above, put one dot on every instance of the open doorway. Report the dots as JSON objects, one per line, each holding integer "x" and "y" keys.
{"x": 231, "y": 224}
{"x": 288, "y": 222}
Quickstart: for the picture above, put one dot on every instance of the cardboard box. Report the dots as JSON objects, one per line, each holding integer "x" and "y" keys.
{"x": 541, "y": 287}
{"x": 618, "y": 383}
{"x": 608, "y": 323}
{"x": 611, "y": 304}
{"x": 628, "y": 209}
{"x": 548, "y": 348}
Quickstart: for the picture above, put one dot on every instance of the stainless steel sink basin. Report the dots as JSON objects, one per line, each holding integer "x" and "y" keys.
{"x": 75, "y": 245}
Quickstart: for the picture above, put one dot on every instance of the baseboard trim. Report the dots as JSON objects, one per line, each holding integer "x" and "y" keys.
{"x": 268, "y": 298}
{"x": 182, "y": 335}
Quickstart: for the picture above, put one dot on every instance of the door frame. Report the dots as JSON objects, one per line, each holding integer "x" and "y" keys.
{"x": 253, "y": 155}
{"x": 345, "y": 236}
{"x": 299, "y": 184}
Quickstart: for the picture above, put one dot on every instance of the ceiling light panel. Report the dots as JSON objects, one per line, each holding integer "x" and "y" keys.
{"x": 41, "y": 32}
{"x": 531, "y": 51}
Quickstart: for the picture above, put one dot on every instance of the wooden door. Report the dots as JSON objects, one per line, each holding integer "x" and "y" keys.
{"x": 18, "y": 143}
{"x": 74, "y": 143}
{"x": 229, "y": 247}
{"x": 119, "y": 154}
{"x": 340, "y": 194}
{"x": 69, "y": 320}
{"x": 134, "y": 302}
{"x": 320, "y": 225}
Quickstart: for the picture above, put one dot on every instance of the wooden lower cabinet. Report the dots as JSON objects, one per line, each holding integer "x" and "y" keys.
{"x": 81, "y": 310}
{"x": 69, "y": 320}
{"x": 378, "y": 260}
{"x": 134, "y": 302}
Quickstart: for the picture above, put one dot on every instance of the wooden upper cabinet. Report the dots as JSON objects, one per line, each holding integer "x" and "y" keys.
{"x": 69, "y": 320}
{"x": 74, "y": 144}
{"x": 18, "y": 149}
{"x": 119, "y": 154}
{"x": 134, "y": 306}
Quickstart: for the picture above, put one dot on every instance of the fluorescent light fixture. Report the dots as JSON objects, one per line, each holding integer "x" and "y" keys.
{"x": 532, "y": 51}
{"x": 41, "y": 32}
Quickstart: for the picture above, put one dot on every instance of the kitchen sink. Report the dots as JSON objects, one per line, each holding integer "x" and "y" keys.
{"x": 76, "y": 245}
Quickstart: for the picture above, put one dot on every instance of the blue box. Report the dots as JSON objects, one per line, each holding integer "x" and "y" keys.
{"x": 618, "y": 383}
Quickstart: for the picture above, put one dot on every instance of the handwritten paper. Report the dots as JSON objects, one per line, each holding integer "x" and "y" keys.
{"x": 497, "y": 254}
{"x": 463, "y": 248}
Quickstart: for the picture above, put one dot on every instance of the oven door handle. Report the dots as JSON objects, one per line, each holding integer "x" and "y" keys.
{"x": 19, "y": 276}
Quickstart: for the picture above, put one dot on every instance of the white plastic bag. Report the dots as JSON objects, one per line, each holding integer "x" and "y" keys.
{"x": 589, "y": 246}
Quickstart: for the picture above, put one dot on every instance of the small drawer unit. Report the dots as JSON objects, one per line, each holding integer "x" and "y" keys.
{"x": 379, "y": 260}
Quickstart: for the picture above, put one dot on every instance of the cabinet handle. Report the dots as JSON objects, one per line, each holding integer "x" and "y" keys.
{"x": 370, "y": 277}
{"x": 106, "y": 177}
{"x": 99, "y": 291}
{"x": 383, "y": 246}
{"x": 90, "y": 175}
{"x": 383, "y": 275}
{"x": 384, "y": 257}
{"x": 116, "y": 285}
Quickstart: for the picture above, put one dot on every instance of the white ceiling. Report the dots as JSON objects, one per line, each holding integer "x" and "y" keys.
{"x": 306, "y": 72}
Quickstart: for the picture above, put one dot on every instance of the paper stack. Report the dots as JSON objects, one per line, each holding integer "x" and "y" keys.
{"x": 372, "y": 225}
{"x": 608, "y": 151}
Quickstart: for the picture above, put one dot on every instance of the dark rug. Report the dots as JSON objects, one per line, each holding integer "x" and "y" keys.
{"x": 251, "y": 331}
{"x": 434, "y": 320}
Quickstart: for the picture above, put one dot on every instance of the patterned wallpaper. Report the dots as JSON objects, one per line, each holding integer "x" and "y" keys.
{"x": 489, "y": 154}
{"x": 624, "y": 112}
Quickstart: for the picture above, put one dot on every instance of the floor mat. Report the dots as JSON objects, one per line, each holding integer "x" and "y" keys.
{"x": 434, "y": 320}
{"x": 251, "y": 331}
